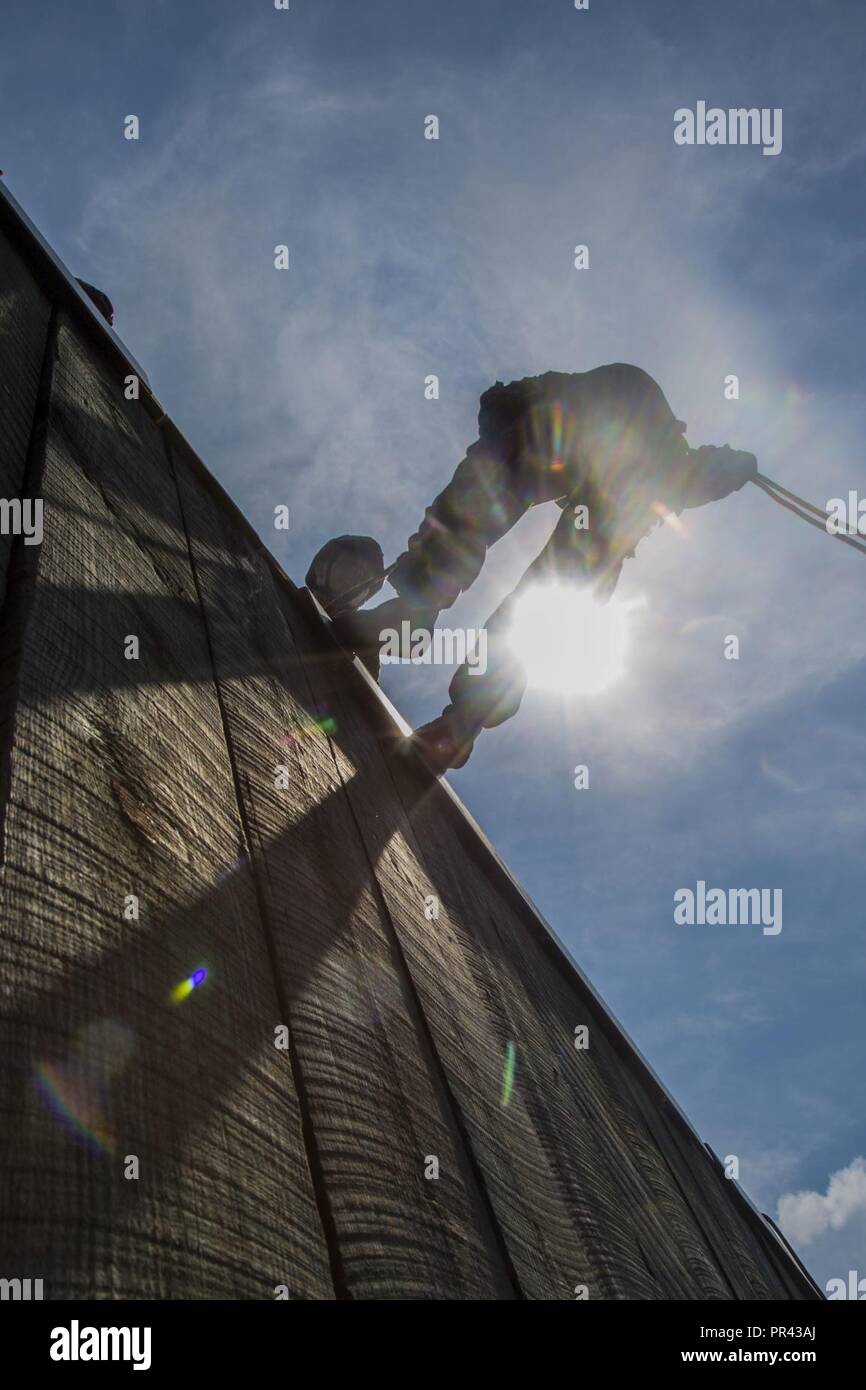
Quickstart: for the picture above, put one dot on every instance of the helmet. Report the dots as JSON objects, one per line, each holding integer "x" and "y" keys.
{"x": 346, "y": 572}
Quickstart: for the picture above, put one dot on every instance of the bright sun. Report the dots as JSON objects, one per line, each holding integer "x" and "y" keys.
{"x": 568, "y": 641}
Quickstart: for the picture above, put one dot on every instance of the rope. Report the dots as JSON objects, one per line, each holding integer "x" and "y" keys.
{"x": 805, "y": 511}
{"x": 792, "y": 496}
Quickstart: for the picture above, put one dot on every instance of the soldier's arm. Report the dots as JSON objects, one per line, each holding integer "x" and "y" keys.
{"x": 708, "y": 474}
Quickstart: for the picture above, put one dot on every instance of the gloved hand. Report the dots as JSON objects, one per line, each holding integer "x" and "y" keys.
{"x": 717, "y": 472}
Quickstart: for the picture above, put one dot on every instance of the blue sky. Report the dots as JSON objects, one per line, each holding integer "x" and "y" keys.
{"x": 455, "y": 257}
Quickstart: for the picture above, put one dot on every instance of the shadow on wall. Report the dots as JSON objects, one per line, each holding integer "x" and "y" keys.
{"x": 106, "y": 1063}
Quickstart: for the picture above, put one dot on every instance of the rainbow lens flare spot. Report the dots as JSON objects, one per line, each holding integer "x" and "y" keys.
{"x": 186, "y": 987}
{"x": 508, "y": 1073}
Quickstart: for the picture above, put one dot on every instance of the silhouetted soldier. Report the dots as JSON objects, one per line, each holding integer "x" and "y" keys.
{"x": 604, "y": 440}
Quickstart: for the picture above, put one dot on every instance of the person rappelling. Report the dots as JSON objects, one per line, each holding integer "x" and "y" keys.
{"x": 606, "y": 446}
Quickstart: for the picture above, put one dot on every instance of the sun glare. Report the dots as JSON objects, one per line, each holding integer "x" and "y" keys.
{"x": 568, "y": 641}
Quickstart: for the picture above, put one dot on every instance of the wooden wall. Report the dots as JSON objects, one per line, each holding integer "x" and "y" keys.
{"x": 305, "y": 895}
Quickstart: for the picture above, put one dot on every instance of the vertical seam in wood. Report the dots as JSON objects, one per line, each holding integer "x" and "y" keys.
{"x": 308, "y": 1134}
{"x": 441, "y": 1074}
{"x": 456, "y": 1113}
{"x": 21, "y": 574}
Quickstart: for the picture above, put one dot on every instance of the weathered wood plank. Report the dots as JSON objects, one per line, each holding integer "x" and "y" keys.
{"x": 547, "y": 1246}
{"x": 588, "y": 1108}
{"x": 377, "y": 1104}
{"x": 597, "y": 1154}
{"x": 739, "y": 1252}
{"x": 120, "y": 784}
{"x": 24, "y": 313}
{"x": 659, "y": 1170}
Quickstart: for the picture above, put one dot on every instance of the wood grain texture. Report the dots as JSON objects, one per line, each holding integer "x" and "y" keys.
{"x": 376, "y": 1102}
{"x": 24, "y": 313}
{"x": 657, "y": 1190}
{"x": 120, "y": 784}
{"x": 642, "y": 1238}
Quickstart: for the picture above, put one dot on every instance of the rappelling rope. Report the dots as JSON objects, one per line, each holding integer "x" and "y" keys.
{"x": 815, "y": 516}
{"x": 792, "y": 497}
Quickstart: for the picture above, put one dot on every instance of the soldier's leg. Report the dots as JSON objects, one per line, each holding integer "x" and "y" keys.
{"x": 482, "y": 699}
{"x": 481, "y": 696}
{"x": 446, "y": 553}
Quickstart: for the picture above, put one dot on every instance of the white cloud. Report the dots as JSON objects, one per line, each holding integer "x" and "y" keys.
{"x": 804, "y": 1216}
{"x": 829, "y": 1229}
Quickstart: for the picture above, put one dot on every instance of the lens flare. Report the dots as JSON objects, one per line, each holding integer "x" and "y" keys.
{"x": 508, "y": 1073}
{"x": 567, "y": 641}
{"x": 322, "y": 721}
{"x": 186, "y": 987}
{"x": 77, "y": 1087}
{"x": 670, "y": 518}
